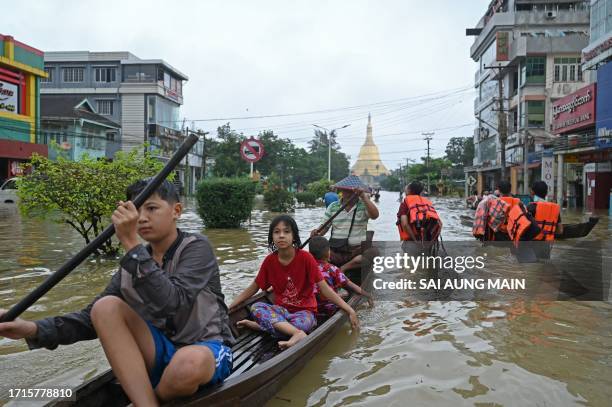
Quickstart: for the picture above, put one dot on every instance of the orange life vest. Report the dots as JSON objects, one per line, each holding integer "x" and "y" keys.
{"x": 420, "y": 213}
{"x": 512, "y": 202}
{"x": 518, "y": 223}
{"x": 489, "y": 218}
{"x": 546, "y": 216}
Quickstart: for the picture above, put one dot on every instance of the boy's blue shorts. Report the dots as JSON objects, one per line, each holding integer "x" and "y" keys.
{"x": 165, "y": 349}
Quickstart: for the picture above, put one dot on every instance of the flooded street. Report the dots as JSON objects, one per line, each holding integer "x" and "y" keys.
{"x": 407, "y": 352}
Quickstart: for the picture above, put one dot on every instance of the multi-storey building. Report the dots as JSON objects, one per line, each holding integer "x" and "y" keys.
{"x": 143, "y": 96}
{"x": 531, "y": 48}
{"x": 584, "y": 122}
{"x": 21, "y": 68}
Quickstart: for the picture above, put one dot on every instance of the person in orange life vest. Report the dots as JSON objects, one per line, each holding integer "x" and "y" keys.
{"x": 293, "y": 274}
{"x": 504, "y": 188}
{"x": 335, "y": 278}
{"x": 540, "y": 221}
{"x": 489, "y": 217}
{"x": 417, "y": 219}
{"x": 547, "y": 215}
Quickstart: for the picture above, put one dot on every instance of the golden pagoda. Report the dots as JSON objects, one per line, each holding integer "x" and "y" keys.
{"x": 369, "y": 164}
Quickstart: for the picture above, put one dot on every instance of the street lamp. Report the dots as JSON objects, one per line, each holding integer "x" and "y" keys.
{"x": 331, "y": 132}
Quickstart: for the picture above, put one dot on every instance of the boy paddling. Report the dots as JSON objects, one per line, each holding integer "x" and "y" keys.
{"x": 162, "y": 320}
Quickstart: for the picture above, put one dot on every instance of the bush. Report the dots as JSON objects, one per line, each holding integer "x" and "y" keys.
{"x": 278, "y": 199}
{"x": 225, "y": 202}
{"x": 307, "y": 198}
{"x": 319, "y": 188}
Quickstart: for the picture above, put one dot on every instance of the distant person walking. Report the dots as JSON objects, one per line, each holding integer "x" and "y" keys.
{"x": 330, "y": 196}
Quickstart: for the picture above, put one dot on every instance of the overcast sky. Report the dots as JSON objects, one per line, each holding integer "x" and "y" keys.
{"x": 405, "y": 61}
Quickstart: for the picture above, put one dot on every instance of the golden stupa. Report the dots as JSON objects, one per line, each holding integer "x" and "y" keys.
{"x": 369, "y": 164}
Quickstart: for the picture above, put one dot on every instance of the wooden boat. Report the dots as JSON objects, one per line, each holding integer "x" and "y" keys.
{"x": 260, "y": 368}
{"x": 576, "y": 230}
{"x": 570, "y": 230}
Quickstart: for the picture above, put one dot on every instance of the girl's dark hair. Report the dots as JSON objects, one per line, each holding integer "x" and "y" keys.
{"x": 287, "y": 220}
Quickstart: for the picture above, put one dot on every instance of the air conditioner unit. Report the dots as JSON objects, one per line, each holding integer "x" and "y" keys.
{"x": 551, "y": 14}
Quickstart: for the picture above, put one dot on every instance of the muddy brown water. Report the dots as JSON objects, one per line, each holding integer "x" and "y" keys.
{"x": 406, "y": 353}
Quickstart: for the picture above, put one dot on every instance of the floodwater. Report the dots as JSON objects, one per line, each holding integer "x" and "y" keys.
{"x": 406, "y": 353}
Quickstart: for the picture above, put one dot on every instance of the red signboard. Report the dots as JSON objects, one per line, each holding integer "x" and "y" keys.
{"x": 503, "y": 47}
{"x": 574, "y": 111}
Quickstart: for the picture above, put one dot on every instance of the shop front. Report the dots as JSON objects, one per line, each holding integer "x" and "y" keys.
{"x": 573, "y": 120}
{"x": 21, "y": 68}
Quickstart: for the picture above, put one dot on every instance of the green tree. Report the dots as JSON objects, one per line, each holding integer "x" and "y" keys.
{"x": 318, "y": 148}
{"x": 460, "y": 151}
{"x": 226, "y": 151}
{"x": 391, "y": 183}
{"x": 82, "y": 194}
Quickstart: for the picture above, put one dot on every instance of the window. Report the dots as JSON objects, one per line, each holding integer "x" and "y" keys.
{"x": 163, "y": 112}
{"x": 535, "y": 113}
{"x": 567, "y": 70}
{"x": 105, "y": 107}
{"x": 139, "y": 73}
{"x": 535, "y": 70}
{"x": 73, "y": 75}
{"x": 49, "y": 78}
{"x": 105, "y": 74}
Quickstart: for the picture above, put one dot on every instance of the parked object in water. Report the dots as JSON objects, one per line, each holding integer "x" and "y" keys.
{"x": 8, "y": 191}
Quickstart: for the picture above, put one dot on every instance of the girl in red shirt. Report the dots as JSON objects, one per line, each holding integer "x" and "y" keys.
{"x": 292, "y": 273}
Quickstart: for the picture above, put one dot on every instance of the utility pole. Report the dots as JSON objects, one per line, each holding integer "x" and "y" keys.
{"x": 203, "y": 134}
{"x": 502, "y": 125}
{"x": 428, "y": 139}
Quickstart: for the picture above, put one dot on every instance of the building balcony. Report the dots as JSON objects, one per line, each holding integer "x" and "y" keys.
{"x": 569, "y": 44}
{"x": 526, "y": 19}
{"x": 553, "y": 18}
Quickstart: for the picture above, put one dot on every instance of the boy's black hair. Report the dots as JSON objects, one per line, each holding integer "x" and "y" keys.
{"x": 166, "y": 191}
{"x": 287, "y": 220}
{"x": 504, "y": 187}
{"x": 415, "y": 188}
{"x": 318, "y": 246}
{"x": 540, "y": 189}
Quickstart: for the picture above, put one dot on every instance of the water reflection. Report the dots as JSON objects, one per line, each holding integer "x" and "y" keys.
{"x": 536, "y": 352}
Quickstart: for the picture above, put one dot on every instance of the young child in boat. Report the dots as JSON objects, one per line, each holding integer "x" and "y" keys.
{"x": 293, "y": 274}
{"x": 335, "y": 278}
{"x": 162, "y": 320}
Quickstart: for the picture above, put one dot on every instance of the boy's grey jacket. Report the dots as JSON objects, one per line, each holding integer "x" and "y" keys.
{"x": 183, "y": 298}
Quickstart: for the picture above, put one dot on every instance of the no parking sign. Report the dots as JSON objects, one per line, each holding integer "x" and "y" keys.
{"x": 251, "y": 150}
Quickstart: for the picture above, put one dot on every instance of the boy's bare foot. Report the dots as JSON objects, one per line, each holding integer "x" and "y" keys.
{"x": 247, "y": 323}
{"x": 295, "y": 338}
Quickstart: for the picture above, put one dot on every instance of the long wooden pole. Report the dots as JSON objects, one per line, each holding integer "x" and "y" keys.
{"x": 106, "y": 234}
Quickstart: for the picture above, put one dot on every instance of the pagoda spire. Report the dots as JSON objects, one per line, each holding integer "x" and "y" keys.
{"x": 369, "y": 164}
{"x": 369, "y": 138}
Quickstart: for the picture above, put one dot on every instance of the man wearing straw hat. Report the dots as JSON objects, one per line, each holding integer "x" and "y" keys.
{"x": 348, "y": 228}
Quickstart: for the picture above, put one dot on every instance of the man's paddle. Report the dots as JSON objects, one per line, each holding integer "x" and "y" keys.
{"x": 106, "y": 234}
{"x": 324, "y": 226}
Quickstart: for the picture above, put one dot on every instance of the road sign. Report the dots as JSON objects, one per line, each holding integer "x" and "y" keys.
{"x": 251, "y": 150}
{"x": 471, "y": 181}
